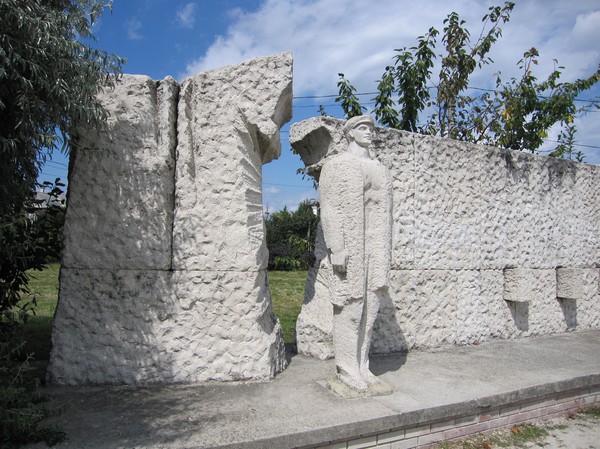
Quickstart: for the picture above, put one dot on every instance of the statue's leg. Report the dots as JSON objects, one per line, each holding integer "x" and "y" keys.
{"x": 371, "y": 308}
{"x": 346, "y": 330}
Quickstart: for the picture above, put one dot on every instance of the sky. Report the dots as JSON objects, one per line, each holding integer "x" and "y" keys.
{"x": 356, "y": 37}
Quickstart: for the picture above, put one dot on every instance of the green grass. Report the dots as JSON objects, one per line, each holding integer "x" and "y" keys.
{"x": 593, "y": 412}
{"x": 518, "y": 435}
{"x": 287, "y": 291}
{"x": 44, "y": 288}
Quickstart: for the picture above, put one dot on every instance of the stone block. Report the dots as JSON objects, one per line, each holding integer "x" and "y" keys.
{"x": 109, "y": 325}
{"x": 150, "y": 326}
{"x": 120, "y": 212}
{"x": 518, "y": 284}
{"x": 430, "y": 308}
{"x": 390, "y": 437}
{"x": 163, "y": 275}
{"x": 228, "y": 126}
{"x": 409, "y": 443}
{"x": 227, "y": 326}
{"x": 577, "y": 208}
{"x": 477, "y": 234}
{"x": 531, "y": 298}
{"x": 363, "y": 443}
{"x": 447, "y": 206}
{"x": 314, "y": 140}
{"x": 573, "y": 283}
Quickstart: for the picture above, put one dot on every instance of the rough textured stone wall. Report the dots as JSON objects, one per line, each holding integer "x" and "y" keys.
{"x": 487, "y": 243}
{"x": 163, "y": 274}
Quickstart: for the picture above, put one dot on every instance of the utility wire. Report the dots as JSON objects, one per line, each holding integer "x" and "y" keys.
{"x": 331, "y": 96}
{"x": 57, "y": 163}
{"x": 575, "y": 144}
{"x": 286, "y": 185}
{"x": 312, "y": 97}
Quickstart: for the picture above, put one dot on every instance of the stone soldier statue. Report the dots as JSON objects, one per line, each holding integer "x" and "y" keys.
{"x": 356, "y": 216}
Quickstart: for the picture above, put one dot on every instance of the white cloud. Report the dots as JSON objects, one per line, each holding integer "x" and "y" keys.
{"x": 133, "y": 30}
{"x": 186, "y": 15}
{"x": 291, "y": 200}
{"x": 331, "y": 36}
{"x": 358, "y": 38}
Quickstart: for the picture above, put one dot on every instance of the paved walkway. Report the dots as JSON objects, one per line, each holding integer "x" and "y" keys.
{"x": 296, "y": 410}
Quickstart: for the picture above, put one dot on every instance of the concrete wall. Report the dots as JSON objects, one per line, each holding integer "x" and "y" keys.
{"x": 163, "y": 272}
{"x": 487, "y": 243}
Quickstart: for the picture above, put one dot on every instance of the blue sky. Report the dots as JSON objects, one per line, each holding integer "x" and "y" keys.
{"x": 356, "y": 37}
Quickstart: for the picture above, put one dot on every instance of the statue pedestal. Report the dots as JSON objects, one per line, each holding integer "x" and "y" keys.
{"x": 341, "y": 389}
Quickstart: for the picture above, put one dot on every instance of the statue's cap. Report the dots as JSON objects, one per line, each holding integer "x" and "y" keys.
{"x": 358, "y": 120}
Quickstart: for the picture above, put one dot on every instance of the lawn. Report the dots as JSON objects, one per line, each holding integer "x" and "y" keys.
{"x": 287, "y": 291}
{"x": 44, "y": 288}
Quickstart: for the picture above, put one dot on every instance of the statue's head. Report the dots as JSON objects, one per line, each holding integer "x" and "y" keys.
{"x": 359, "y": 129}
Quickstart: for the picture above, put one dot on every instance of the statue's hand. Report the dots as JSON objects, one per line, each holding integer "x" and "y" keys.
{"x": 338, "y": 261}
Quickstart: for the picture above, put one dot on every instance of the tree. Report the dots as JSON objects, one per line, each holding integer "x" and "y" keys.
{"x": 518, "y": 114}
{"x": 50, "y": 75}
{"x": 291, "y": 237}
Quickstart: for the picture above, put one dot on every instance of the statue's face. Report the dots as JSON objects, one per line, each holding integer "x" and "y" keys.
{"x": 362, "y": 134}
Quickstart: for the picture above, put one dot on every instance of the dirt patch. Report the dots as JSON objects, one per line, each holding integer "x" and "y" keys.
{"x": 579, "y": 431}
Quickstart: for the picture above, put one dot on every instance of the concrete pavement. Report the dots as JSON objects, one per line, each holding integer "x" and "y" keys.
{"x": 296, "y": 410}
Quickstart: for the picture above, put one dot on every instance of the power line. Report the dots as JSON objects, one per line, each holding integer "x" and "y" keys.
{"x": 574, "y": 144}
{"x": 56, "y": 163}
{"x": 51, "y": 172}
{"x": 286, "y": 185}
{"x": 307, "y": 97}
{"x": 312, "y": 97}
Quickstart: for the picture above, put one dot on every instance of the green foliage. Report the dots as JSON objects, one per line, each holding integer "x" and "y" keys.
{"x": 532, "y": 107}
{"x": 412, "y": 72}
{"x": 348, "y": 99}
{"x": 27, "y": 241}
{"x": 460, "y": 61}
{"x": 322, "y": 111}
{"x": 291, "y": 237}
{"x": 384, "y": 105}
{"x": 37, "y": 331}
{"x": 21, "y": 407}
{"x": 593, "y": 412}
{"x": 522, "y": 435}
{"x": 50, "y": 75}
{"x": 517, "y": 115}
{"x": 49, "y": 78}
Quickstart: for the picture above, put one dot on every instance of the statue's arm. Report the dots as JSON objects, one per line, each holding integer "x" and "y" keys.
{"x": 332, "y": 186}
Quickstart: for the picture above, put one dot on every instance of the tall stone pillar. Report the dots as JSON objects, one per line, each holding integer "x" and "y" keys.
{"x": 163, "y": 274}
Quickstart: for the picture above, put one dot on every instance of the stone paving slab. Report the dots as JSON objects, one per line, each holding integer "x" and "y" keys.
{"x": 295, "y": 410}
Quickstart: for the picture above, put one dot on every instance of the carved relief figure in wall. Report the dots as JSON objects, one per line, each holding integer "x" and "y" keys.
{"x": 356, "y": 216}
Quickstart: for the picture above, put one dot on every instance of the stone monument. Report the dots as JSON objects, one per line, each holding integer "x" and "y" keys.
{"x": 356, "y": 216}
{"x": 163, "y": 275}
{"x": 487, "y": 243}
